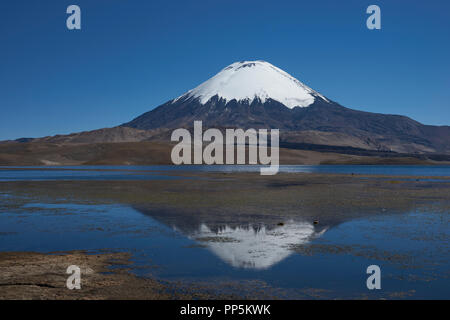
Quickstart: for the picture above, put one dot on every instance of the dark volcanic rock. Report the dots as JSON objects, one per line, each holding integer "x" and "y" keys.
{"x": 354, "y": 128}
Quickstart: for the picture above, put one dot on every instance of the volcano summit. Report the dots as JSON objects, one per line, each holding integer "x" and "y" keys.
{"x": 244, "y": 94}
{"x": 247, "y": 81}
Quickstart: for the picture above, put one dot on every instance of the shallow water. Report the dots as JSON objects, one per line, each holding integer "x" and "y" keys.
{"x": 411, "y": 249}
{"x": 297, "y": 258}
{"x": 164, "y": 172}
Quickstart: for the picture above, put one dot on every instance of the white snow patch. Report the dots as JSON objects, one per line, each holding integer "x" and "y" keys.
{"x": 248, "y": 80}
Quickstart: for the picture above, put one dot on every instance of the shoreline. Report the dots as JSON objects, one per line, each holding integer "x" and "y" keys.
{"x": 104, "y": 276}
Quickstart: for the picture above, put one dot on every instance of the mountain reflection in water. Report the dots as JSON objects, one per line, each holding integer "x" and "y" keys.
{"x": 254, "y": 245}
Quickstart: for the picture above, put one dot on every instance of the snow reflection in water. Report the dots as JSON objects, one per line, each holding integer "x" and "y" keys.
{"x": 254, "y": 248}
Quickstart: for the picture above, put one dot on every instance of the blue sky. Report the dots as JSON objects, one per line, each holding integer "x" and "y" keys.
{"x": 131, "y": 56}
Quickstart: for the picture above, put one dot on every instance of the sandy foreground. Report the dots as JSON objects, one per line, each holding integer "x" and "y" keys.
{"x": 29, "y": 275}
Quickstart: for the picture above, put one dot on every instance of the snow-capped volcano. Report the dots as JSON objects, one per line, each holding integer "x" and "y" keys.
{"x": 256, "y": 94}
{"x": 246, "y": 94}
{"x": 249, "y": 80}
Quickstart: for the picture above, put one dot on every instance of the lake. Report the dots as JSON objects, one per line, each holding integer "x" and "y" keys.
{"x": 169, "y": 172}
{"x": 330, "y": 260}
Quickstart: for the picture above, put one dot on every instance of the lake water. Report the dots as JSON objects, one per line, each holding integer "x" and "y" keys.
{"x": 170, "y": 172}
{"x": 410, "y": 266}
{"x": 296, "y": 259}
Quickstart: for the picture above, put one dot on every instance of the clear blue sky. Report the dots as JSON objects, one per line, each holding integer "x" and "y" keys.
{"x": 132, "y": 55}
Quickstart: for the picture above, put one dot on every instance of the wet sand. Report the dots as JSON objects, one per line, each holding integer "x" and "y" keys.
{"x": 30, "y": 275}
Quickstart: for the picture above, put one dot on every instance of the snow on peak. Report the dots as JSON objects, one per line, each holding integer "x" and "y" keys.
{"x": 247, "y": 80}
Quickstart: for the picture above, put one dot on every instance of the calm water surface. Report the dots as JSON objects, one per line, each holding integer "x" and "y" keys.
{"x": 410, "y": 263}
{"x": 171, "y": 172}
